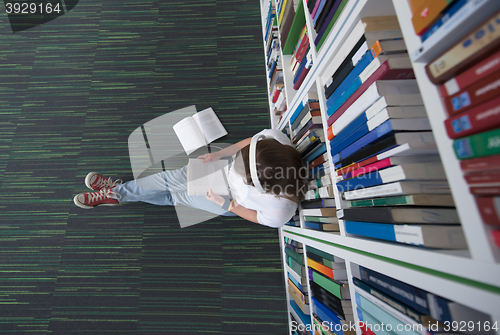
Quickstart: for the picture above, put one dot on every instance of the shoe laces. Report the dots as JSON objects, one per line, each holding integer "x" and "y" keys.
{"x": 102, "y": 195}
{"x": 107, "y": 183}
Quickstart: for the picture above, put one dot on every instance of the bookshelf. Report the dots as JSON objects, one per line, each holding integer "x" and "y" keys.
{"x": 470, "y": 277}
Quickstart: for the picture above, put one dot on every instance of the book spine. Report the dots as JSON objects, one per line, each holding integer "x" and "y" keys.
{"x": 480, "y": 42}
{"x": 482, "y": 91}
{"x": 489, "y": 209}
{"x": 428, "y": 14}
{"x": 480, "y": 164}
{"x": 481, "y": 118}
{"x": 479, "y": 145}
{"x": 369, "y": 168}
{"x": 477, "y": 72}
{"x": 320, "y": 268}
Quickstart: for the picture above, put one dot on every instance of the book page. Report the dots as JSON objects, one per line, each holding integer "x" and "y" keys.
{"x": 204, "y": 176}
{"x": 209, "y": 124}
{"x": 189, "y": 135}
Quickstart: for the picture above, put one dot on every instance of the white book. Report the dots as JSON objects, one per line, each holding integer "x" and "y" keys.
{"x": 395, "y": 92}
{"x": 400, "y": 188}
{"x": 204, "y": 176}
{"x": 199, "y": 130}
{"x": 399, "y": 124}
{"x": 397, "y": 112}
{"x": 410, "y": 149}
{"x": 418, "y": 171}
{"x": 397, "y": 61}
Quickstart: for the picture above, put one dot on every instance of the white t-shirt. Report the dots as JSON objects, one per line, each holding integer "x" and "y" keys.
{"x": 271, "y": 210}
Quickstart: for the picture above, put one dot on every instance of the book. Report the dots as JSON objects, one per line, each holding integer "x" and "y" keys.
{"x": 438, "y": 200}
{"x": 298, "y": 292}
{"x": 432, "y": 236}
{"x": 204, "y": 176}
{"x": 379, "y": 132}
{"x": 416, "y": 171}
{"x": 479, "y": 145}
{"x": 397, "y": 106}
{"x": 304, "y": 318}
{"x": 489, "y": 208}
{"x": 199, "y": 130}
{"x": 318, "y": 203}
{"x": 449, "y": 12}
{"x": 325, "y": 255}
{"x": 326, "y": 262}
{"x": 319, "y": 212}
{"x": 480, "y": 42}
{"x": 330, "y": 21}
{"x": 334, "y": 274}
{"x": 299, "y": 258}
{"x": 427, "y": 14}
{"x": 298, "y": 21}
{"x": 337, "y": 288}
{"x": 322, "y": 226}
{"x": 484, "y": 179}
{"x": 400, "y": 188}
{"x": 485, "y": 191}
{"x": 480, "y": 164}
{"x": 473, "y": 95}
{"x": 407, "y": 149}
{"x": 382, "y": 88}
{"x": 425, "y": 139}
{"x": 386, "y": 314}
{"x": 301, "y": 303}
{"x": 480, "y": 70}
{"x": 425, "y": 215}
{"x": 480, "y": 118}
{"x": 321, "y": 219}
{"x": 388, "y": 162}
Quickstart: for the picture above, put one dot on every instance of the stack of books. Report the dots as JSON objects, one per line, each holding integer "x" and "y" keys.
{"x": 324, "y": 14}
{"x": 330, "y": 296}
{"x": 384, "y": 300}
{"x": 468, "y": 75}
{"x": 294, "y": 221}
{"x": 301, "y": 61}
{"x": 297, "y": 282}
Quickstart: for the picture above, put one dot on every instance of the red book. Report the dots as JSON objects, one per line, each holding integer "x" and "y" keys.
{"x": 483, "y": 179}
{"x": 276, "y": 95}
{"x": 357, "y": 165}
{"x": 489, "y": 208}
{"x": 477, "y": 93}
{"x": 318, "y": 161}
{"x": 475, "y": 73}
{"x": 496, "y": 237}
{"x": 480, "y": 164}
{"x": 485, "y": 116}
{"x": 485, "y": 190}
{"x": 301, "y": 78}
{"x": 314, "y": 105}
{"x": 369, "y": 168}
{"x": 384, "y": 72}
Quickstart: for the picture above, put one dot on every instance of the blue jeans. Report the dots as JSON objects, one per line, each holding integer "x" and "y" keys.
{"x": 167, "y": 188}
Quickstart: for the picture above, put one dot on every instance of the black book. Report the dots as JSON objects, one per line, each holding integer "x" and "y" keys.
{"x": 318, "y": 203}
{"x": 326, "y": 298}
{"x": 317, "y": 142}
{"x": 310, "y": 5}
{"x": 340, "y": 74}
{"x": 307, "y": 126}
{"x": 324, "y": 13}
{"x": 401, "y": 215}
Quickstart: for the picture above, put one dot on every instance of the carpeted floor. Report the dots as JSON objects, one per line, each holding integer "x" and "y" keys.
{"x": 71, "y": 92}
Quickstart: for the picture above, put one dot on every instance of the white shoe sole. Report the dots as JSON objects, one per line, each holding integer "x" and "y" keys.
{"x": 88, "y": 178}
{"x": 82, "y": 205}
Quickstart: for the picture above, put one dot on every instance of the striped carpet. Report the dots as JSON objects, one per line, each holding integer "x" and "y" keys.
{"x": 71, "y": 92}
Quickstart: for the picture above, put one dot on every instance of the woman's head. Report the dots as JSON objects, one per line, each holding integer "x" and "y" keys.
{"x": 279, "y": 168}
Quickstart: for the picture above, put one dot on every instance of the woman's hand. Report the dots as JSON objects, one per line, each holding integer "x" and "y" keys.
{"x": 219, "y": 200}
{"x": 212, "y": 157}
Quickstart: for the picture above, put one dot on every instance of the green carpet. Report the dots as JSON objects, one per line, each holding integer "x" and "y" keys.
{"x": 71, "y": 92}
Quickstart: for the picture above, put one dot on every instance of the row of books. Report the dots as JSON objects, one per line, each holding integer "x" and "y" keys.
{"x": 290, "y": 14}
{"x": 324, "y": 15}
{"x": 468, "y": 77}
{"x": 330, "y": 296}
{"x": 301, "y": 61}
{"x": 383, "y": 148}
{"x": 297, "y": 284}
{"x": 406, "y": 309}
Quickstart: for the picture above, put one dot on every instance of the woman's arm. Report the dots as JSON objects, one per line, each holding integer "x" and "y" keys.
{"x": 245, "y": 213}
{"x": 226, "y": 152}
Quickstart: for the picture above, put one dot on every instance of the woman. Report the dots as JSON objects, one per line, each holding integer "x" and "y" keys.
{"x": 269, "y": 195}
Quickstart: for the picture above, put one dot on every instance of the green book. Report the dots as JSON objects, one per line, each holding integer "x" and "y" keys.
{"x": 324, "y": 254}
{"x": 479, "y": 145}
{"x": 295, "y": 256}
{"x": 332, "y": 23}
{"x": 293, "y": 35}
{"x": 441, "y": 200}
{"x": 321, "y": 219}
{"x": 334, "y": 288}
{"x": 299, "y": 269}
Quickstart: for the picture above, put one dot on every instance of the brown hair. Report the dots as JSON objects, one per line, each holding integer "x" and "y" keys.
{"x": 279, "y": 168}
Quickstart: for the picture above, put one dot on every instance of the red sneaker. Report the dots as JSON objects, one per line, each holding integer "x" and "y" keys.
{"x": 97, "y": 182}
{"x": 92, "y": 199}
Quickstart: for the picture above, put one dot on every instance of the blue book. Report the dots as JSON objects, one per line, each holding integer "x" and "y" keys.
{"x": 299, "y": 71}
{"x": 343, "y": 98}
{"x": 354, "y": 125}
{"x": 366, "y": 180}
{"x": 297, "y": 111}
{"x": 344, "y": 141}
{"x": 327, "y": 315}
{"x": 271, "y": 71}
{"x": 305, "y": 318}
{"x": 407, "y": 294}
{"x": 351, "y": 77}
{"x": 380, "y": 132}
{"x": 296, "y": 283}
{"x": 316, "y": 153}
{"x": 318, "y": 12}
{"x": 447, "y": 15}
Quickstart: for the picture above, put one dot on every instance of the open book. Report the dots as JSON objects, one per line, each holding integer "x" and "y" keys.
{"x": 204, "y": 176}
{"x": 199, "y": 130}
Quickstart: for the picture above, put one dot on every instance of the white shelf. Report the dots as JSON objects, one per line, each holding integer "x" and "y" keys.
{"x": 470, "y": 277}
